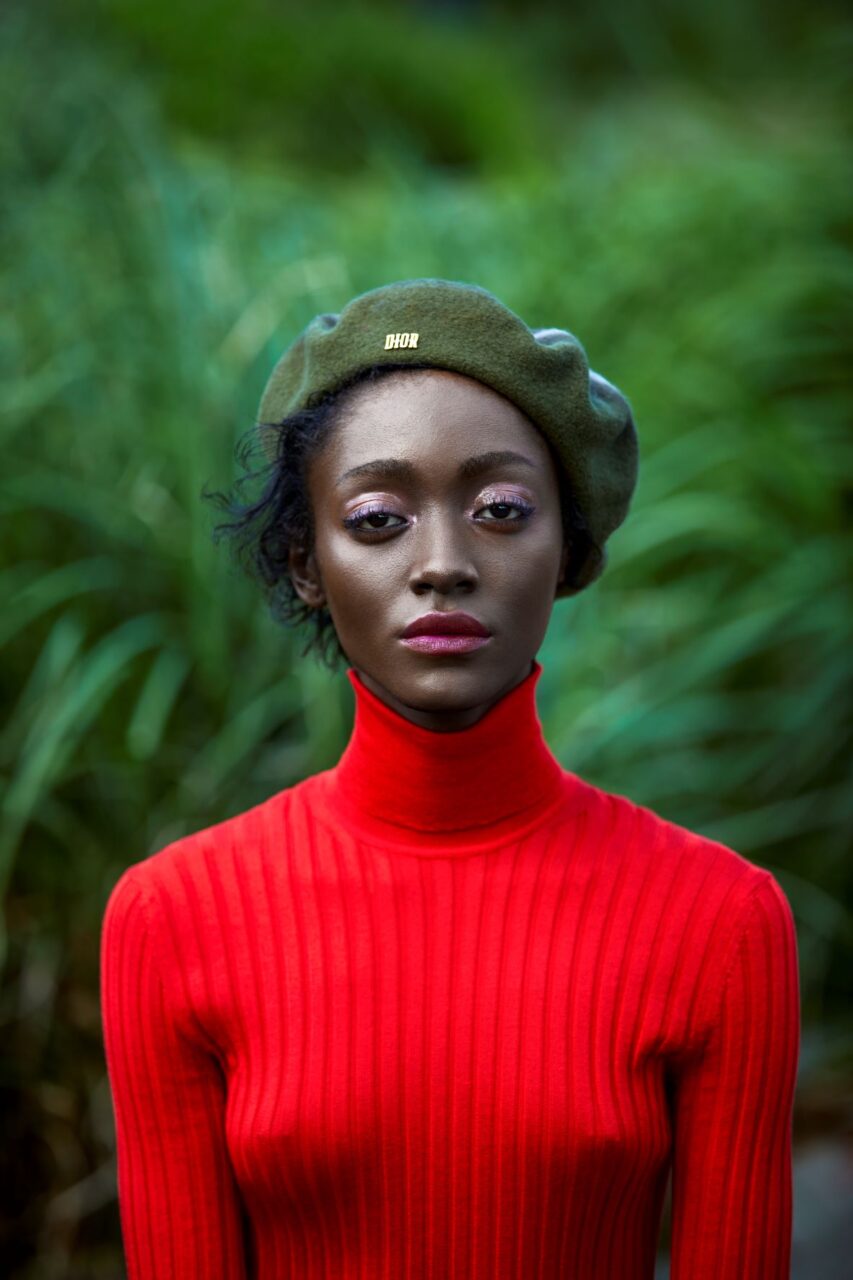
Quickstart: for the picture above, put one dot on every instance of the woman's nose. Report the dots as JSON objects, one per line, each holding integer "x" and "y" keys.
{"x": 441, "y": 556}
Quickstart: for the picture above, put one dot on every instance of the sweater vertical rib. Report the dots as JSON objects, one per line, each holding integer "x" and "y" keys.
{"x": 447, "y": 1011}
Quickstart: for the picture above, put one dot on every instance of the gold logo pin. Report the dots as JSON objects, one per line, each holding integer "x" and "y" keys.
{"x": 394, "y": 340}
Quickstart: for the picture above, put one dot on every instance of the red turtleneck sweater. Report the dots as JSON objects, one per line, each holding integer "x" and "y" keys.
{"x": 448, "y": 1010}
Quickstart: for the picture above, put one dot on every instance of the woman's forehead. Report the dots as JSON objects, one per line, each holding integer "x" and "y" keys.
{"x": 439, "y": 423}
{"x": 425, "y": 410}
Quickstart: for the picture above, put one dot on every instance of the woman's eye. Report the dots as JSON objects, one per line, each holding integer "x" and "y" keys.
{"x": 376, "y": 519}
{"x": 505, "y": 508}
{"x": 372, "y": 519}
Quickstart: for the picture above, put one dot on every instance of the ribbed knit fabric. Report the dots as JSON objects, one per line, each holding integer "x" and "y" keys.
{"x": 449, "y": 1011}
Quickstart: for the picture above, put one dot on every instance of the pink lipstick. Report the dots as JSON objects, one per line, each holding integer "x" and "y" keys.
{"x": 438, "y": 632}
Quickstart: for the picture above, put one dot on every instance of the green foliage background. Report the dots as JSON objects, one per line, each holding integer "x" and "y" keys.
{"x": 184, "y": 187}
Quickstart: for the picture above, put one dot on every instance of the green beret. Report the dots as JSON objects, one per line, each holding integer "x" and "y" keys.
{"x": 466, "y": 329}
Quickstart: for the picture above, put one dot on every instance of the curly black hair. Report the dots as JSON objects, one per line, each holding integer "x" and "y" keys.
{"x": 263, "y": 530}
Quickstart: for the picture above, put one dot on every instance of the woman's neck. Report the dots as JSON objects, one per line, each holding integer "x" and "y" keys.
{"x": 449, "y": 720}
{"x": 400, "y": 781}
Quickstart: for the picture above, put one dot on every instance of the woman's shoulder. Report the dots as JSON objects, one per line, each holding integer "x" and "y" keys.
{"x": 701, "y": 895}
{"x": 199, "y": 861}
{"x": 695, "y": 861}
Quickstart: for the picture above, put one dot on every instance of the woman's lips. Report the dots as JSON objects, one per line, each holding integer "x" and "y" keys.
{"x": 445, "y": 643}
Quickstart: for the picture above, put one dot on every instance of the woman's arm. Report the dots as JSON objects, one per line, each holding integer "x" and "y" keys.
{"x": 732, "y": 1106}
{"x": 180, "y": 1209}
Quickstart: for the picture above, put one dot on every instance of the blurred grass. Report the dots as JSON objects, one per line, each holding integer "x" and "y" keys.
{"x": 180, "y": 196}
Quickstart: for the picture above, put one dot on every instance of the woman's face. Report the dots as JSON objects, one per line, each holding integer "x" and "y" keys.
{"x": 428, "y": 528}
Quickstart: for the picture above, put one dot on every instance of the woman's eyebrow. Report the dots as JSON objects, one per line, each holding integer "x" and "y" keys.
{"x": 402, "y": 469}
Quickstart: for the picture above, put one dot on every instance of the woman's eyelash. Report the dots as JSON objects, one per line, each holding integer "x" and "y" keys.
{"x": 511, "y": 500}
{"x": 353, "y": 521}
{"x": 516, "y": 503}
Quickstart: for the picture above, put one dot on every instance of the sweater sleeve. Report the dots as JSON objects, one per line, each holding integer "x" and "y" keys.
{"x": 732, "y": 1110}
{"x": 179, "y": 1205}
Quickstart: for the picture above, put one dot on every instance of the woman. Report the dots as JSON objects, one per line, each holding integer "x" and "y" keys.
{"x": 447, "y": 1009}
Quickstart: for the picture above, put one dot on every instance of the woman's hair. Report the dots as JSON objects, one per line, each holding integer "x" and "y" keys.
{"x": 263, "y": 531}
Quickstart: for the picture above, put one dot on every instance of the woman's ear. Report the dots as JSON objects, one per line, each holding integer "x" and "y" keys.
{"x": 305, "y": 576}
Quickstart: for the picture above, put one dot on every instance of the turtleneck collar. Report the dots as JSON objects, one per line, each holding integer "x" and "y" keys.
{"x": 405, "y": 785}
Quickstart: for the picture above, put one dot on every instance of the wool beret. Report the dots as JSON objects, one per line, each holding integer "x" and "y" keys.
{"x": 466, "y": 329}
